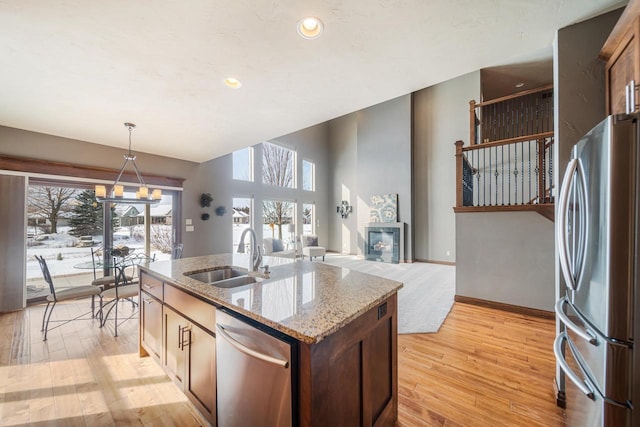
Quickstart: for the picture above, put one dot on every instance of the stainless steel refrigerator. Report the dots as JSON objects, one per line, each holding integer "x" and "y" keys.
{"x": 597, "y": 224}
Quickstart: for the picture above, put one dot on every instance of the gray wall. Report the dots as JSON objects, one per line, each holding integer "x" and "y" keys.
{"x": 370, "y": 154}
{"x": 506, "y": 257}
{"x": 441, "y": 117}
{"x": 579, "y": 80}
{"x": 21, "y": 143}
{"x": 215, "y": 177}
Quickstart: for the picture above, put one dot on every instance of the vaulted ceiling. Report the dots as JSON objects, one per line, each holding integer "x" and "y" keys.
{"x": 80, "y": 69}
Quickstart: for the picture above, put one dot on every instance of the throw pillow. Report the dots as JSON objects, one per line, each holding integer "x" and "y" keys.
{"x": 277, "y": 245}
{"x": 311, "y": 240}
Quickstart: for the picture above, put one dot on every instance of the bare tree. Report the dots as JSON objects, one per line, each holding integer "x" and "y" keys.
{"x": 50, "y": 202}
{"x": 277, "y": 169}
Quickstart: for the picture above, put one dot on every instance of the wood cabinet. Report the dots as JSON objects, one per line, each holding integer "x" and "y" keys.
{"x": 621, "y": 52}
{"x": 351, "y": 377}
{"x": 347, "y": 378}
{"x": 189, "y": 351}
{"x": 176, "y": 330}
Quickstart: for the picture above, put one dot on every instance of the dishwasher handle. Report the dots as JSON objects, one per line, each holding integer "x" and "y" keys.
{"x": 249, "y": 352}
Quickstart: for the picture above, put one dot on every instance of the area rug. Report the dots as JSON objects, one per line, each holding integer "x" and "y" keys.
{"x": 426, "y": 298}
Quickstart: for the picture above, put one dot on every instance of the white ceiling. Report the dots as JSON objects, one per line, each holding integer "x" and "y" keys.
{"x": 80, "y": 69}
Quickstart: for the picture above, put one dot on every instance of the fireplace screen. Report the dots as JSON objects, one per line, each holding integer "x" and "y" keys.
{"x": 383, "y": 244}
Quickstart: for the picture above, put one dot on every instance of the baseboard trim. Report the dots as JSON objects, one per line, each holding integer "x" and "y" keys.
{"x": 528, "y": 311}
{"x": 431, "y": 261}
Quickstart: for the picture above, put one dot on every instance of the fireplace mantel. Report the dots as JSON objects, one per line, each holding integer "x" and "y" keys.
{"x": 386, "y": 253}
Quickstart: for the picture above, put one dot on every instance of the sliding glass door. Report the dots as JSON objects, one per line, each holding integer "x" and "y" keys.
{"x": 65, "y": 224}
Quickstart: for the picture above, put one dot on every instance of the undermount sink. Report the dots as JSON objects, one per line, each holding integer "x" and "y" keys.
{"x": 235, "y": 282}
{"x": 219, "y": 274}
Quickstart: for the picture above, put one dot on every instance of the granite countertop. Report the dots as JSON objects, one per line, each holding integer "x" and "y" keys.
{"x": 305, "y": 300}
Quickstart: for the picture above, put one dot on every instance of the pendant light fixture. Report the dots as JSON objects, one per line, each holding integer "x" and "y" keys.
{"x": 116, "y": 195}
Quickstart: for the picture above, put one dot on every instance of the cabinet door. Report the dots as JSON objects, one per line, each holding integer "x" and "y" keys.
{"x": 622, "y": 68}
{"x": 151, "y": 328}
{"x": 201, "y": 370}
{"x": 174, "y": 335}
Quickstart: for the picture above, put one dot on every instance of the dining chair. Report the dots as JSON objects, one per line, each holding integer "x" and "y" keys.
{"x": 124, "y": 289}
{"x": 54, "y": 297}
{"x": 103, "y": 282}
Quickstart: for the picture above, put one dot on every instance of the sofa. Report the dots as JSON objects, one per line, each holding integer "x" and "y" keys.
{"x": 275, "y": 247}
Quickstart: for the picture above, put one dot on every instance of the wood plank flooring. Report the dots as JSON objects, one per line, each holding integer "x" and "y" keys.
{"x": 483, "y": 368}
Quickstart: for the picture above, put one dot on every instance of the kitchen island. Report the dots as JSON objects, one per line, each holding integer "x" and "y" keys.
{"x": 342, "y": 326}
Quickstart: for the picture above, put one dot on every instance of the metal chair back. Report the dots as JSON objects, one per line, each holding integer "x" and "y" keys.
{"x": 47, "y": 275}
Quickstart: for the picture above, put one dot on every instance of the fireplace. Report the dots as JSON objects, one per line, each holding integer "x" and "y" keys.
{"x": 383, "y": 243}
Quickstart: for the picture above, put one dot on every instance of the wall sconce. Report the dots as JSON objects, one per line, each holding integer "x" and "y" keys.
{"x": 344, "y": 209}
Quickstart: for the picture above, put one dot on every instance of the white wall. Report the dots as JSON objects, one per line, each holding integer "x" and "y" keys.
{"x": 440, "y": 118}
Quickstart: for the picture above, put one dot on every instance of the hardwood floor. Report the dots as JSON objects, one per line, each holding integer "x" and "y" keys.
{"x": 483, "y": 368}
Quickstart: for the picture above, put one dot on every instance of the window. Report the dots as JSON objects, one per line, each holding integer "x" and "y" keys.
{"x": 278, "y": 165}
{"x": 241, "y": 219}
{"x": 243, "y": 164}
{"x": 275, "y": 214}
{"x": 308, "y": 218}
{"x": 308, "y": 175}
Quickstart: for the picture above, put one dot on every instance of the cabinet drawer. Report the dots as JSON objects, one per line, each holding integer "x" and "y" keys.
{"x": 151, "y": 285}
{"x": 191, "y": 307}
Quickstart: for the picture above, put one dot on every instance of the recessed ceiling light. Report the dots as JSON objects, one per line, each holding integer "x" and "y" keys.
{"x": 233, "y": 83}
{"x": 519, "y": 85}
{"x": 310, "y": 27}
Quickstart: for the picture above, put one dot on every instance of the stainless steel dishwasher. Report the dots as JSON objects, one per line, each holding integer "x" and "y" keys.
{"x": 254, "y": 373}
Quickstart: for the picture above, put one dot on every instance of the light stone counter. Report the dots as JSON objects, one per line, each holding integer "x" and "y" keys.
{"x": 305, "y": 300}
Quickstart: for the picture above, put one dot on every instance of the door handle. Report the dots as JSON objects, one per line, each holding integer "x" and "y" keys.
{"x": 185, "y": 342}
{"x": 249, "y": 352}
{"x": 557, "y": 350}
{"x": 586, "y": 335}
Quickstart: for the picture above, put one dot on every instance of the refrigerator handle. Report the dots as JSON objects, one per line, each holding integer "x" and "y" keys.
{"x": 563, "y": 197}
{"x": 557, "y": 350}
{"x": 586, "y": 335}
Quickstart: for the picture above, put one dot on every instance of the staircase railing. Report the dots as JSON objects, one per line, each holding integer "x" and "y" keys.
{"x": 524, "y": 113}
{"x": 512, "y": 172}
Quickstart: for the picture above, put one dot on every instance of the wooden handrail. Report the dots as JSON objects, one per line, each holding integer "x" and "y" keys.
{"x": 508, "y": 141}
{"x": 515, "y": 95}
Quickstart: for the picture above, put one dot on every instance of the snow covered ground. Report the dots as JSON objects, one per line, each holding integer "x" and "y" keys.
{"x": 63, "y": 245}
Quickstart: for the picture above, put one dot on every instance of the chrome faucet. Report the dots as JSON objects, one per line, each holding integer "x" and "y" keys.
{"x": 255, "y": 256}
